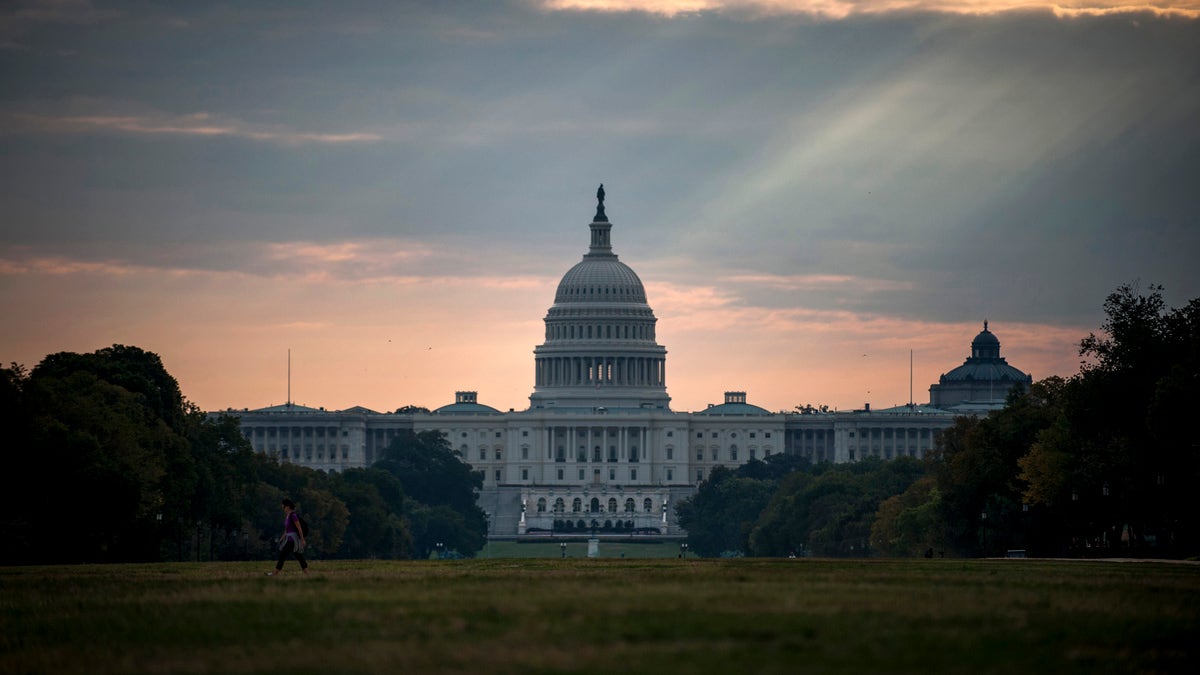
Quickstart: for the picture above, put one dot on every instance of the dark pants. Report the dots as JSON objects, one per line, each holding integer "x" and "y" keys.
{"x": 289, "y": 548}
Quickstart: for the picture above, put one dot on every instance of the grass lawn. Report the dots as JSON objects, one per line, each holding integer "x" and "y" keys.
{"x": 548, "y": 615}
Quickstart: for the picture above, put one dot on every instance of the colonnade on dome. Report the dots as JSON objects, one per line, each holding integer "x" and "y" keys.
{"x": 563, "y": 371}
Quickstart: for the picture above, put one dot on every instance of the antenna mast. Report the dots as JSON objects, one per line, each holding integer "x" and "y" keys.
{"x": 910, "y": 401}
{"x": 289, "y": 397}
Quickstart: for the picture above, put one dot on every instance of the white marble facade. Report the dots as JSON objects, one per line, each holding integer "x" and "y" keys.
{"x": 599, "y": 445}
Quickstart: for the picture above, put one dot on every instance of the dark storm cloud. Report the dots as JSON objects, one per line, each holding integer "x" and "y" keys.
{"x": 945, "y": 167}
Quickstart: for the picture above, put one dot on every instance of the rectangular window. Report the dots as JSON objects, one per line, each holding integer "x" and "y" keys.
{"x": 767, "y": 435}
{"x": 670, "y": 475}
{"x": 482, "y": 454}
{"x": 524, "y": 474}
{"x": 633, "y": 474}
{"x": 560, "y": 474}
{"x": 699, "y": 455}
{"x": 670, "y": 434}
{"x": 699, "y": 434}
{"x": 699, "y": 475}
{"x": 525, "y": 433}
{"x": 497, "y": 434}
{"x": 612, "y": 474}
{"x": 714, "y": 434}
{"x": 497, "y": 475}
{"x": 524, "y": 453}
{"x": 670, "y": 453}
{"x": 497, "y": 453}
{"x": 751, "y": 434}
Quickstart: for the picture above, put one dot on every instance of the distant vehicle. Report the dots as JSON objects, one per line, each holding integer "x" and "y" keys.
{"x": 1015, "y": 553}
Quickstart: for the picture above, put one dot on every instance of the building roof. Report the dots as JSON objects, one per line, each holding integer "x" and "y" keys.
{"x": 288, "y": 408}
{"x": 466, "y": 403}
{"x": 735, "y": 404}
{"x": 360, "y": 410}
{"x": 911, "y": 409}
{"x": 985, "y": 364}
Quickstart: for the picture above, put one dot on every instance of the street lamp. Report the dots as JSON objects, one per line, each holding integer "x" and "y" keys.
{"x": 683, "y": 550}
{"x": 440, "y": 546}
{"x": 562, "y": 546}
{"x": 983, "y": 533}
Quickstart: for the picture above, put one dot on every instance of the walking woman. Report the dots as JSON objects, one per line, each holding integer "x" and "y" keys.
{"x": 292, "y": 542}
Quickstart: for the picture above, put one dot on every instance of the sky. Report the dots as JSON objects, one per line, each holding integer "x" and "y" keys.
{"x": 815, "y": 193}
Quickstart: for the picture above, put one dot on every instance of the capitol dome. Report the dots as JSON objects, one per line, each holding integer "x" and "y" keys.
{"x": 600, "y": 350}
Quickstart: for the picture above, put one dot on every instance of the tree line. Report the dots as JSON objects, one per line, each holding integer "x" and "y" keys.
{"x": 116, "y": 465}
{"x": 1100, "y": 463}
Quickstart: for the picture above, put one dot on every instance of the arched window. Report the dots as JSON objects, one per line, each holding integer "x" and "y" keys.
{"x": 612, "y": 453}
{"x": 647, "y": 505}
{"x": 633, "y": 453}
{"x": 733, "y": 453}
{"x": 612, "y": 504}
{"x": 559, "y": 505}
{"x": 577, "y": 505}
{"x": 541, "y": 506}
{"x": 595, "y": 505}
{"x": 581, "y": 454}
{"x": 596, "y": 454}
{"x": 629, "y": 505}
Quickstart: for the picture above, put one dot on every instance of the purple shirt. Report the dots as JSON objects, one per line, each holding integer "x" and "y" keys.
{"x": 291, "y": 524}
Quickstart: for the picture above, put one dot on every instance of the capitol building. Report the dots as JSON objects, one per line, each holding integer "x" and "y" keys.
{"x": 599, "y": 446}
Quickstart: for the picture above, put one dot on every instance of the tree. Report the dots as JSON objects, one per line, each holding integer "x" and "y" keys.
{"x": 433, "y": 474}
{"x": 1119, "y": 462}
{"x": 411, "y": 409}
{"x": 377, "y": 527}
{"x": 911, "y": 523}
{"x": 719, "y": 517}
{"x": 831, "y": 510}
{"x": 810, "y": 409}
{"x": 97, "y": 466}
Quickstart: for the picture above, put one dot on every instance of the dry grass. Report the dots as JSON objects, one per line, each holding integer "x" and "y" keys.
{"x": 598, "y": 616}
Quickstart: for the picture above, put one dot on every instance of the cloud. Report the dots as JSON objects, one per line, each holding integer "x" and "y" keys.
{"x": 841, "y": 9}
{"x": 195, "y": 125}
{"x": 382, "y": 262}
{"x": 820, "y": 282}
